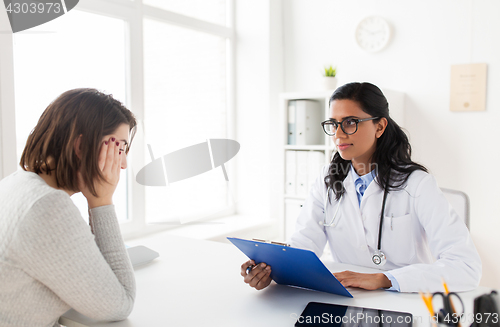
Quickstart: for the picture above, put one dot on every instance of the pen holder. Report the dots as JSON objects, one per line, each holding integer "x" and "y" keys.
{"x": 452, "y": 311}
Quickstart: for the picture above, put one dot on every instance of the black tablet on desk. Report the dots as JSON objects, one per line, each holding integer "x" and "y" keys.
{"x": 292, "y": 266}
{"x": 324, "y": 314}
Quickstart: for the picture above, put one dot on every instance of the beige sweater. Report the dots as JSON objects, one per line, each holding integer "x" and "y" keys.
{"x": 50, "y": 261}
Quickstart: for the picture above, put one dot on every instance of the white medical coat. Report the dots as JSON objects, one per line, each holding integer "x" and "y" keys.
{"x": 423, "y": 238}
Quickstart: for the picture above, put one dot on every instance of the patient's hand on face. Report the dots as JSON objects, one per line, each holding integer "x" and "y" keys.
{"x": 259, "y": 277}
{"x": 109, "y": 164}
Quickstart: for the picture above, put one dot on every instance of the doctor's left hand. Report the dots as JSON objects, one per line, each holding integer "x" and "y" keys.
{"x": 360, "y": 280}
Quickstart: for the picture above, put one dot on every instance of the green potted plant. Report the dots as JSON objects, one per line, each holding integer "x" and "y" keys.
{"x": 329, "y": 78}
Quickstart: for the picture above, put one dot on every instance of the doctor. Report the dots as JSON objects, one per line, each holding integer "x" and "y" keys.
{"x": 377, "y": 208}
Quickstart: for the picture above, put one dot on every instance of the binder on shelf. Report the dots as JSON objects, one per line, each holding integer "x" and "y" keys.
{"x": 291, "y": 123}
{"x": 290, "y": 172}
{"x": 292, "y": 266}
{"x": 301, "y": 170}
{"x": 316, "y": 161}
{"x": 302, "y": 186}
{"x": 308, "y": 115}
{"x": 292, "y": 211}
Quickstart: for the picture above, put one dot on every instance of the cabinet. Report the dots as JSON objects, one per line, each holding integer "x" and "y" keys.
{"x": 303, "y": 159}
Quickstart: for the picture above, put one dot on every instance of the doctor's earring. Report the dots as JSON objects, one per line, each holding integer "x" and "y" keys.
{"x": 379, "y": 258}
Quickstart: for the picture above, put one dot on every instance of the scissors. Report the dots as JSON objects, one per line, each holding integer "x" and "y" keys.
{"x": 448, "y": 314}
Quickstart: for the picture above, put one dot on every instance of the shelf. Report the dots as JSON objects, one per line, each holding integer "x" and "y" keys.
{"x": 323, "y": 95}
{"x": 306, "y": 147}
{"x": 294, "y": 197}
{"x": 291, "y": 202}
{"x": 310, "y": 147}
{"x": 288, "y": 213}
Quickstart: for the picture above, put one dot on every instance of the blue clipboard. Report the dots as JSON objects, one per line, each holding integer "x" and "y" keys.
{"x": 292, "y": 266}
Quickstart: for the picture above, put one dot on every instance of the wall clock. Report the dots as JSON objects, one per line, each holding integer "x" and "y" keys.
{"x": 373, "y": 33}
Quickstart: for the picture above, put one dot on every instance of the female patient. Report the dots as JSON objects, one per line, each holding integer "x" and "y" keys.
{"x": 50, "y": 260}
{"x": 374, "y": 205}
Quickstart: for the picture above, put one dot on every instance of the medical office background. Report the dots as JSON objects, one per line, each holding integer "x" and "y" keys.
{"x": 192, "y": 70}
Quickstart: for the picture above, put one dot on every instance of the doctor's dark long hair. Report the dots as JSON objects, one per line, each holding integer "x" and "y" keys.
{"x": 392, "y": 156}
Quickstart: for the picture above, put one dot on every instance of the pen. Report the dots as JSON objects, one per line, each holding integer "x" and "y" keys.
{"x": 428, "y": 303}
{"x": 446, "y": 291}
{"x": 249, "y": 268}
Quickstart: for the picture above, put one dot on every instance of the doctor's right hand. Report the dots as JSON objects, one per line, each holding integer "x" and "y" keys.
{"x": 258, "y": 276}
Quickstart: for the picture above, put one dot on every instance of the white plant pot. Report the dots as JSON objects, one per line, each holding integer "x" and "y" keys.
{"x": 329, "y": 83}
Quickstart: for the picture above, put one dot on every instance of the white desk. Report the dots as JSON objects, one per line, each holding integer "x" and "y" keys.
{"x": 198, "y": 283}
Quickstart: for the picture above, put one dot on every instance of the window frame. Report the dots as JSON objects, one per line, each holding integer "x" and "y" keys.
{"x": 133, "y": 13}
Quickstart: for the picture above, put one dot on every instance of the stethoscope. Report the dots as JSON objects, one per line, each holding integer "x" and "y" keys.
{"x": 378, "y": 257}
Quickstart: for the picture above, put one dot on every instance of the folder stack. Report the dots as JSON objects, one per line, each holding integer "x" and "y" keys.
{"x": 304, "y": 122}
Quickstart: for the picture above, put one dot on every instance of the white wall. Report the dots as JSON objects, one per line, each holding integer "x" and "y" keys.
{"x": 460, "y": 149}
{"x": 252, "y": 103}
{"x": 259, "y": 80}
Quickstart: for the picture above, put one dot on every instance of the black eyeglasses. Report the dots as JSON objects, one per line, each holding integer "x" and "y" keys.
{"x": 349, "y": 125}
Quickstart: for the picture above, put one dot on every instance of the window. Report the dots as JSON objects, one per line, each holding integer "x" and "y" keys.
{"x": 169, "y": 62}
{"x": 185, "y": 104}
{"x": 213, "y": 11}
{"x": 64, "y": 54}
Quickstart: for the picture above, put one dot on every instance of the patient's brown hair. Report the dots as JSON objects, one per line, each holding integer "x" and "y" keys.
{"x": 85, "y": 112}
